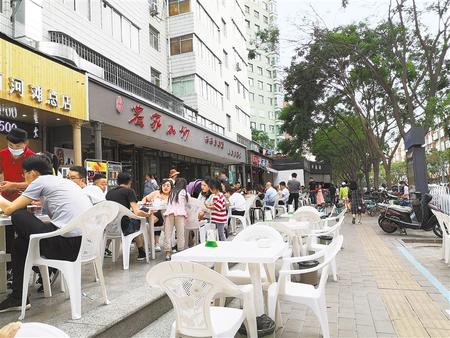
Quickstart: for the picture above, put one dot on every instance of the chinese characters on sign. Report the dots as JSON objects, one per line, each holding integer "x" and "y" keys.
{"x": 16, "y": 86}
{"x": 214, "y": 142}
{"x": 156, "y": 122}
{"x": 184, "y": 132}
{"x": 138, "y": 118}
{"x": 234, "y": 153}
{"x": 171, "y": 130}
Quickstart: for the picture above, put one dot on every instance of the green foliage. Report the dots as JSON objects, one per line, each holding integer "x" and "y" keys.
{"x": 266, "y": 40}
{"x": 438, "y": 164}
{"x": 262, "y": 138}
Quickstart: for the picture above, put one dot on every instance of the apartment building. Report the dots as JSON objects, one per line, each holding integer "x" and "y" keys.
{"x": 264, "y": 73}
{"x": 166, "y": 79}
{"x": 208, "y": 60}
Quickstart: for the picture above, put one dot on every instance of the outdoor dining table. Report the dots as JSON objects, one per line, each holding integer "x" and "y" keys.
{"x": 238, "y": 252}
{"x": 300, "y": 229}
{"x": 4, "y": 257}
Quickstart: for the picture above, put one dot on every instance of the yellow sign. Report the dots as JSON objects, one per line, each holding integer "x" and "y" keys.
{"x": 30, "y": 79}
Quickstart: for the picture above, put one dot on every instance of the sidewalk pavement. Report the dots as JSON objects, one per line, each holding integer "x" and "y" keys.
{"x": 379, "y": 292}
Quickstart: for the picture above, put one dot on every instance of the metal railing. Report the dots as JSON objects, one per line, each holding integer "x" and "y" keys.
{"x": 120, "y": 76}
{"x": 129, "y": 81}
{"x": 441, "y": 198}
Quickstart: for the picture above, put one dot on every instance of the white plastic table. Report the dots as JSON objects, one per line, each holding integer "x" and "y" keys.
{"x": 237, "y": 252}
{"x": 4, "y": 258}
{"x": 300, "y": 228}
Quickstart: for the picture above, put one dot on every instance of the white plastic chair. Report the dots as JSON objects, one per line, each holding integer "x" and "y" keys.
{"x": 92, "y": 225}
{"x": 444, "y": 224}
{"x": 114, "y": 232}
{"x": 192, "y": 287}
{"x": 249, "y": 234}
{"x": 333, "y": 231}
{"x": 272, "y": 208}
{"x": 245, "y": 220}
{"x": 286, "y": 290}
{"x": 193, "y": 208}
{"x": 307, "y": 214}
{"x": 39, "y": 330}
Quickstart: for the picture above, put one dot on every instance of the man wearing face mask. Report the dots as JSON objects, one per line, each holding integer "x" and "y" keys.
{"x": 13, "y": 181}
{"x": 11, "y": 159}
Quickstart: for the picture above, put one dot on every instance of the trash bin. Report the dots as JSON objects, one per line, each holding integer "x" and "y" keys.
{"x": 264, "y": 324}
{"x": 325, "y": 239}
{"x": 310, "y": 277}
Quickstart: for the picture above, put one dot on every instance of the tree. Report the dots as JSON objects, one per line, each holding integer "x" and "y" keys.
{"x": 438, "y": 165}
{"x": 266, "y": 40}
{"x": 262, "y": 138}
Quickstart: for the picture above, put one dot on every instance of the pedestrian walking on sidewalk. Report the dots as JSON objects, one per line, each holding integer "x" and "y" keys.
{"x": 357, "y": 202}
{"x": 294, "y": 190}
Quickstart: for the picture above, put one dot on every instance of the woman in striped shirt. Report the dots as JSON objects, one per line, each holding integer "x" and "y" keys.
{"x": 218, "y": 208}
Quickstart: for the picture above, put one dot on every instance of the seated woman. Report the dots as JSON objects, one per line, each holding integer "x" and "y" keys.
{"x": 63, "y": 200}
{"x": 204, "y": 197}
{"x": 163, "y": 195}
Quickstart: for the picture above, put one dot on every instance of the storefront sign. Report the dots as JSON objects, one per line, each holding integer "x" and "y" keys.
{"x": 32, "y": 130}
{"x": 65, "y": 156}
{"x": 95, "y": 167}
{"x": 32, "y": 80}
{"x": 258, "y": 161}
{"x": 160, "y": 130}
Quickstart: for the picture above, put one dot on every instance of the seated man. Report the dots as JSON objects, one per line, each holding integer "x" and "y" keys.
{"x": 63, "y": 200}
{"x": 123, "y": 194}
{"x": 284, "y": 193}
{"x": 270, "y": 194}
{"x": 95, "y": 192}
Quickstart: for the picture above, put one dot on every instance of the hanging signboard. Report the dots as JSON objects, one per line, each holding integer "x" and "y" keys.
{"x": 95, "y": 167}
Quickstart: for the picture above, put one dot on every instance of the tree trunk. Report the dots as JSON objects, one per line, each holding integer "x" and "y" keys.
{"x": 387, "y": 169}
{"x": 376, "y": 173}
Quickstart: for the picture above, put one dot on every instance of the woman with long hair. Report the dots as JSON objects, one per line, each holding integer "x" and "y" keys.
{"x": 357, "y": 202}
{"x": 163, "y": 195}
{"x": 175, "y": 215}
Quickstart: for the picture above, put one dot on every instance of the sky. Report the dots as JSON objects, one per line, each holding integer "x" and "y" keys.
{"x": 327, "y": 12}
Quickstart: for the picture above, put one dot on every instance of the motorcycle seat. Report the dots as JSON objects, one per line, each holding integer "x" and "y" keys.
{"x": 401, "y": 208}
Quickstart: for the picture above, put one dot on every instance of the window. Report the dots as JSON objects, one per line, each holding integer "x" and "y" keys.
{"x": 271, "y": 129}
{"x": 258, "y": 56}
{"x": 261, "y": 99}
{"x": 257, "y": 27}
{"x": 256, "y": 14}
{"x": 262, "y": 126}
{"x": 154, "y": 37}
{"x": 274, "y": 74}
{"x": 227, "y": 90}
{"x": 265, "y": 19}
{"x": 265, "y": 6}
{"x": 252, "y": 97}
{"x": 225, "y": 58}
{"x": 250, "y": 68}
{"x": 181, "y": 44}
{"x": 251, "y": 83}
{"x": 269, "y": 73}
{"x": 177, "y": 7}
{"x": 253, "y": 125}
{"x": 270, "y": 101}
{"x": 248, "y": 23}
{"x": 260, "y": 85}
{"x": 260, "y": 71}
{"x": 269, "y": 87}
{"x": 116, "y": 26}
{"x": 155, "y": 77}
{"x": 247, "y": 9}
{"x": 82, "y": 7}
{"x": 271, "y": 115}
{"x": 183, "y": 86}
{"x": 268, "y": 60}
{"x": 228, "y": 122}
{"x": 224, "y": 28}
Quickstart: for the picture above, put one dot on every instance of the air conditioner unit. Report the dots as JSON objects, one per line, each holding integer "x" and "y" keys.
{"x": 238, "y": 67}
{"x": 153, "y": 9}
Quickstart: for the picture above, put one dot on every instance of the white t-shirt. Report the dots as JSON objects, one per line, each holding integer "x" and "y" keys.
{"x": 237, "y": 202}
{"x": 62, "y": 199}
{"x": 285, "y": 195}
{"x": 95, "y": 194}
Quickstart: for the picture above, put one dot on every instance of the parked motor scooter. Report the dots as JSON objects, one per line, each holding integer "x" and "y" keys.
{"x": 417, "y": 217}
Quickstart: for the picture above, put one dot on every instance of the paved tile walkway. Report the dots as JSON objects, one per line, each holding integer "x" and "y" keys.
{"x": 379, "y": 293}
